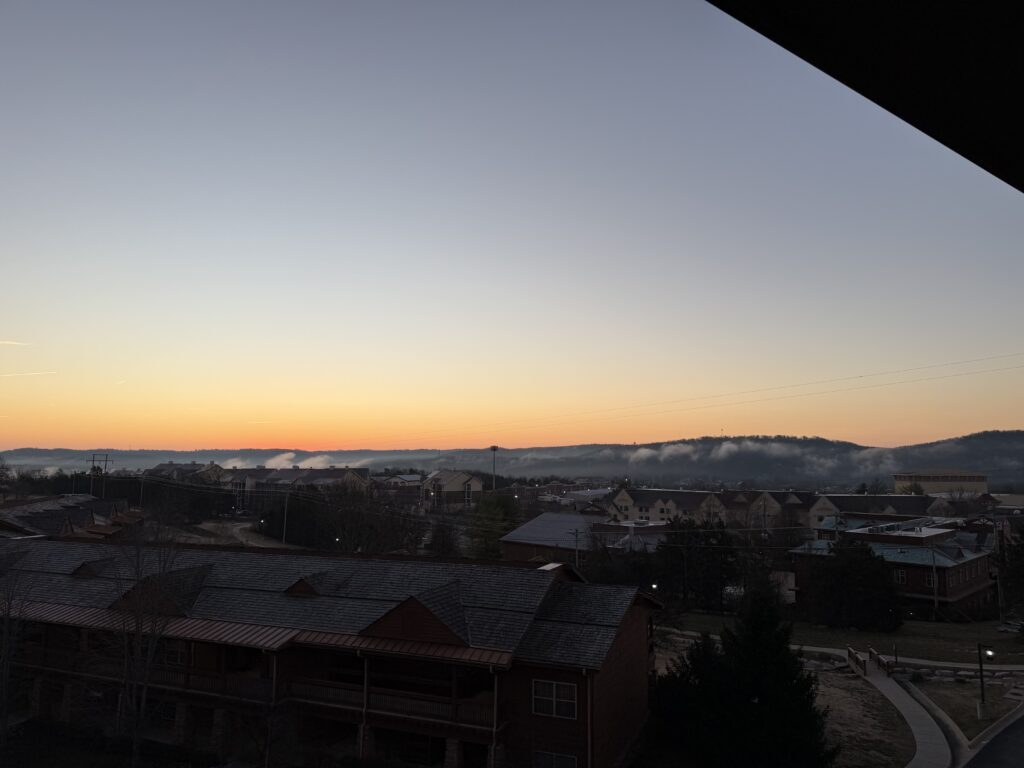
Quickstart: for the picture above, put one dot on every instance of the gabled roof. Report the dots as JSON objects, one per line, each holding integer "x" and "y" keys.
{"x": 577, "y": 624}
{"x": 904, "y": 504}
{"x": 242, "y": 593}
{"x": 565, "y": 530}
{"x": 684, "y": 499}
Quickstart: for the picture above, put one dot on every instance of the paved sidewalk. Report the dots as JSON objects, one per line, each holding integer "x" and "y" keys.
{"x": 932, "y": 748}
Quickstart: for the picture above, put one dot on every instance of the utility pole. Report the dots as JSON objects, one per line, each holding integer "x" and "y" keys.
{"x": 284, "y": 528}
{"x": 576, "y": 545}
{"x": 494, "y": 468}
{"x": 935, "y": 587}
{"x": 94, "y": 465}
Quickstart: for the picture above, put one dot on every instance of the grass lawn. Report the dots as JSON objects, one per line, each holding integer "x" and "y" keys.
{"x": 868, "y": 729}
{"x": 959, "y": 698}
{"x": 935, "y": 641}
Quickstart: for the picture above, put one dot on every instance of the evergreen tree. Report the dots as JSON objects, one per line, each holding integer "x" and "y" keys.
{"x": 775, "y": 697}
{"x": 747, "y": 701}
{"x": 853, "y": 588}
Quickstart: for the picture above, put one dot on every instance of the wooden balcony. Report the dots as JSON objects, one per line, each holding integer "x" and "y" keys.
{"x": 396, "y": 703}
{"x": 243, "y": 687}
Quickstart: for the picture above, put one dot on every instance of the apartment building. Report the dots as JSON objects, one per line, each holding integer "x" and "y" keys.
{"x": 295, "y": 659}
{"x": 939, "y": 572}
{"x": 451, "y": 489}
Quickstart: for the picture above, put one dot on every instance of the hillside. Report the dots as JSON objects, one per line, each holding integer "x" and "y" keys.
{"x": 766, "y": 460}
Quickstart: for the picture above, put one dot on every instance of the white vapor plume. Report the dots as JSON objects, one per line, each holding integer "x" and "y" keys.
{"x": 281, "y": 461}
{"x": 30, "y": 373}
{"x": 323, "y": 461}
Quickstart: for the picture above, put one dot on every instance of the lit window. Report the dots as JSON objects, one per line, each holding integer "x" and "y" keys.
{"x": 553, "y": 699}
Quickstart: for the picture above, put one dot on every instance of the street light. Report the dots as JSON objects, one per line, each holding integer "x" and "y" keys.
{"x": 984, "y": 652}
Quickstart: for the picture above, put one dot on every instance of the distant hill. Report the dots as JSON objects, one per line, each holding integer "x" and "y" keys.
{"x": 766, "y": 460}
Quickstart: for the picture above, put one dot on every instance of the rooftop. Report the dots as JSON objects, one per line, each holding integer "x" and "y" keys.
{"x": 543, "y": 615}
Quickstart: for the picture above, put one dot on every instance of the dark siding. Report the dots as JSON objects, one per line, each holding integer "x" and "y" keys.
{"x": 528, "y": 732}
{"x": 621, "y": 691}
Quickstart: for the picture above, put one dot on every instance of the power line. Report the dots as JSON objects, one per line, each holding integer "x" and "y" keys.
{"x": 537, "y": 422}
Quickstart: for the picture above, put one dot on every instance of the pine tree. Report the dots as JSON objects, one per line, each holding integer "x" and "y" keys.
{"x": 746, "y": 701}
{"x": 775, "y": 697}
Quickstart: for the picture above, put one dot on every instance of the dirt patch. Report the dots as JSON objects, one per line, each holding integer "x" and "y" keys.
{"x": 959, "y": 700}
{"x": 868, "y": 729}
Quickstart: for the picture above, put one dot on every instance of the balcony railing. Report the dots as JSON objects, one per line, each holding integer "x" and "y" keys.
{"x": 181, "y": 678}
{"x": 383, "y": 701}
{"x": 380, "y": 700}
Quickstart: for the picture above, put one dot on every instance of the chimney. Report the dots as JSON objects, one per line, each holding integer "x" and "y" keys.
{"x": 261, "y": 466}
{"x": 295, "y": 466}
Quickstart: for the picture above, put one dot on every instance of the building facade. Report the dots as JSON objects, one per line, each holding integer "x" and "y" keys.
{"x": 298, "y": 659}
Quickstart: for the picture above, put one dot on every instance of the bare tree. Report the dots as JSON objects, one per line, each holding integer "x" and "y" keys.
{"x": 13, "y": 597}
{"x": 148, "y": 603}
{"x": 5, "y": 479}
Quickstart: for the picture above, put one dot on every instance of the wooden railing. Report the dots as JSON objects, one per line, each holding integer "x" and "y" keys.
{"x": 881, "y": 662}
{"x": 390, "y": 702}
{"x": 856, "y": 660}
{"x": 379, "y": 700}
{"x": 181, "y": 678}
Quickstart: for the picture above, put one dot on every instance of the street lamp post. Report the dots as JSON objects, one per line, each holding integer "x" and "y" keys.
{"x": 984, "y": 652}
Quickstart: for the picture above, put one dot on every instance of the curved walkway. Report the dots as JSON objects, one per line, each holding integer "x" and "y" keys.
{"x": 932, "y": 749}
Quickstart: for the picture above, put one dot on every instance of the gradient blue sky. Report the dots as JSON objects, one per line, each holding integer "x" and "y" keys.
{"x": 404, "y": 224}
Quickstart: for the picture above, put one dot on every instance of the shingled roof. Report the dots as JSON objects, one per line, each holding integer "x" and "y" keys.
{"x": 540, "y": 615}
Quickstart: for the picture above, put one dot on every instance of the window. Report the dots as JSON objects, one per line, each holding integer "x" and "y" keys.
{"x": 900, "y": 576}
{"x": 929, "y": 579}
{"x": 553, "y": 699}
{"x": 553, "y": 760}
{"x": 175, "y": 653}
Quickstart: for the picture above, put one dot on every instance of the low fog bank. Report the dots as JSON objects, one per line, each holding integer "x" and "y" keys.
{"x": 764, "y": 459}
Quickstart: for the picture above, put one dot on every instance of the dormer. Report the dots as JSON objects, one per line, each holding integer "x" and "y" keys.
{"x": 433, "y": 616}
{"x": 90, "y": 569}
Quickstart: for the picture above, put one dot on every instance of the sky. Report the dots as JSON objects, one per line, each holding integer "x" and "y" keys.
{"x": 388, "y": 224}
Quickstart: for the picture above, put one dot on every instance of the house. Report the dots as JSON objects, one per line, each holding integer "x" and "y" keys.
{"x": 317, "y": 658}
{"x": 664, "y": 504}
{"x": 906, "y": 505}
{"x": 191, "y": 471}
{"x": 247, "y": 483}
{"x": 942, "y": 481}
{"x": 63, "y": 515}
{"x": 355, "y": 479}
{"x": 568, "y": 537}
{"x": 776, "y": 509}
{"x": 451, "y": 489}
{"x": 554, "y": 537}
{"x": 939, "y": 571}
{"x": 403, "y": 481}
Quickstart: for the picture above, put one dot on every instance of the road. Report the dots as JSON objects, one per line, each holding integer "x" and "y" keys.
{"x": 1005, "y": 750}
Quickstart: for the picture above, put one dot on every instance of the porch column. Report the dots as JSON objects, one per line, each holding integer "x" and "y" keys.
{"x": 497, "y": 757}
{"x": 452, "y": 753}
{"x": 182, "y": 720}
{"x": 219, "y": 731}
{"x": 367, "y": 743}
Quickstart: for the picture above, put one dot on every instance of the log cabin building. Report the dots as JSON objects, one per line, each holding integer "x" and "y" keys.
{"x": 300, "y": 659}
